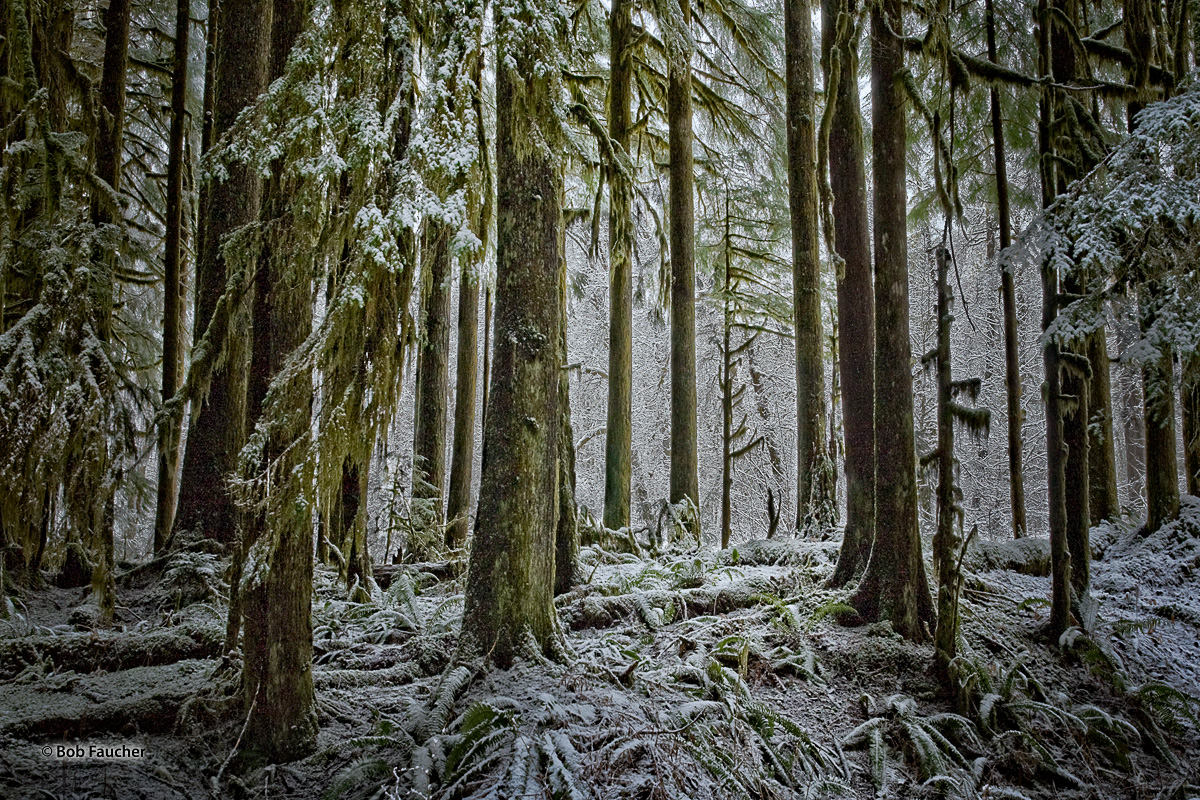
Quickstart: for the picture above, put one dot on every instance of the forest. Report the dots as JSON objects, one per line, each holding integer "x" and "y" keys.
{"x": 578, "y": 399}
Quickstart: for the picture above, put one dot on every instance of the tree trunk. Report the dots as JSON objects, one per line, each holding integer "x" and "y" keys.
{"x": 112, "y": 101}
{"x": 348, "y": 519}
{"x": 618, "y": 435}
{"x": 276, "y": 599}
{"x": 1190, "y": 401}
{"x": 510, "y": 581}
{"x": 433, "y": 368}
{"x": 945, "y": 543}
{"x": 1162, "y": 479}
{"x": 813, "y": 501}
{"x": 566, "y": 536}
{"x": 218, "y": 428}
{"x": 1008, "y": 299}
{"x": 1060, "y": 560}
{"x": 894, "y": 586}
{"x": 684, "y": 481}
{"x": 108, "y": 168}
{"x": 1078, "y": 492}
{"x": 856, "y": 300}
{"x": 458, "y": 510}
{"x": 487, "y": 353}
{"x": 1104, "y": 502}
{"x": 173, "y": 286}
{"x": 1135, "y": 441}
{"x": 726, "y": 393}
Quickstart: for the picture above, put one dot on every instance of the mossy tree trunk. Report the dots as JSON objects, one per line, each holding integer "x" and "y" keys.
{"x": 509, "y": 608}
{"x": 684, "y": 458}
{"x": 173, "y": 285}
{"x": 814, "y": 502}
{"x": 947, "y": 540}
{"x": 894, "y": 586}
{"x": 276, "y": 587}
{"x": 218, "y": 428}
{"x": 1008, "y": 301}
{"x": 566, "y": 537}
{"x": 1060, "y": 560}
{"x": 618, "y": 447}
{"x": 856, "y": 300}
{"x": 433, "y": 374}
{"x": 109, "y": 157}
{"x": 1075, "y": 371}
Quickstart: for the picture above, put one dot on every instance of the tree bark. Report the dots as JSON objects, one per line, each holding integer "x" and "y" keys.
{"x": 945, "y": 543}
{"x": 618, "y": 445}
{"x": 566, "y": 537}
{"x": 1060, "y": 560}
{"x": 856, "y": 300}
{"x": 1162, "y": 479}
{"x": 813, "y": 500}
{"x": 1104, "y": 502}
{"x": 1190, "y": 402}
{"x": 173, "y": 286}
{"x": 684, "y": 466}
{"x": 509, "y": 606}
{"x": 458, "y": 510}
{"x": 433, "y": 370}
{"x": 1008, "y": 301}
{"x": 894, "y": 586}
{"x": 218, "y": 428}
{"x": 276, "y": 598}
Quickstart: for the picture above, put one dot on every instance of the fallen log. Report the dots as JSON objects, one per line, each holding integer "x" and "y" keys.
{"x": 1028, "y": 556}
{"x": 139, "y": 700}
{"x": 93, "y": 651}
{"x": 581, "y": 610}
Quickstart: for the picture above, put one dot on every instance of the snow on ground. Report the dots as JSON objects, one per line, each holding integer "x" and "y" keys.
{"x": 693, "y": 674}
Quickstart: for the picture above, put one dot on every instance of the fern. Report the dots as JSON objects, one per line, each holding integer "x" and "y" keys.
{"x": 362, "y": 779}
{"x": 451, "y": 686}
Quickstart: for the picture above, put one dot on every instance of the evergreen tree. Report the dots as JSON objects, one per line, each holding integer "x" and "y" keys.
{"x": 618, "y": 438}
{"x": 676, "y": 22}
{"x": 814, "y": 503}
{"x": 510, "y": 580}
{"x": 173, "y": 285}
{"x": 855, "y": 295}
{"x": 218, "y": 428}
{"x": 894, "y": 586}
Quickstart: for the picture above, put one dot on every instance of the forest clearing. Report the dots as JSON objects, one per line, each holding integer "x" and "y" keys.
{"x": 600, "y": 399}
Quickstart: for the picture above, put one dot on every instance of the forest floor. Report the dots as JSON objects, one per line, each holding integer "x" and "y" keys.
{"x": 692, "y": 674}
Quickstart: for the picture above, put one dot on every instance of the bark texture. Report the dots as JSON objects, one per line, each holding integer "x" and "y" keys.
{"x": 1162, "y": 479}
{"x": 684, "y": 481}
{"x": 813, "y": 500}
{"x": 894, "y": 586}
{"x": 509, "y": 608}
{"x": 218, "y": 428}
{"x": 173, "y": 286}
{"x": 1104, "y": 501}
{"x": 618, "y": 447}
{"x": 1060, "y": 560}
{"x": 433, "y": 374}
{"x": 276, "y": 587}
{"x": 462, "y": 452}
{"x": 1008, "y": 301}
{"x": 856, "y": 300}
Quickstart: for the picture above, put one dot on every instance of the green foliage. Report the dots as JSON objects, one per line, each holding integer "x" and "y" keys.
{"x": 925, "y": 741}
